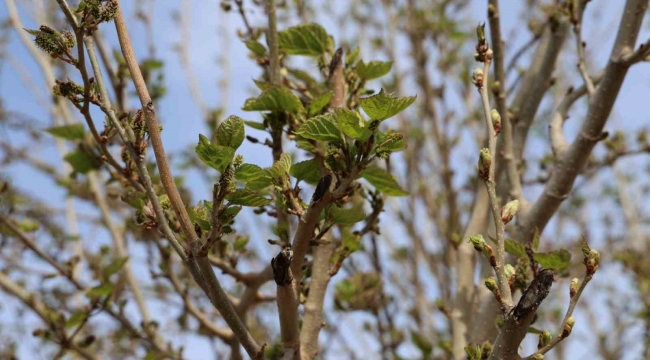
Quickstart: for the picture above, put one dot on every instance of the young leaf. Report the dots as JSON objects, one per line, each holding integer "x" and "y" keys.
{"x": 240, "y": 243}
{"x": 247, "y": 197}
{"x": 81, "y": 161}
{"x": 115, "y": 266}
{"x": 230, "y": 133}
{"x": 281, "y": 167}
{"x": 352, "y": 56}
{"x": 352, "y": 124}
{"x": 515, "y": 248}
{"x": 322, "y": 128}
{"x": 255, "y": 125}
{"x": 308, "y": 171}
{"x": 215, "y": 156}
{"x": 102, "y": 290}
{"x": 319, "y": 103}
{"x": 275, "y": 99}
{"x": 68, "y": 132}
{"x": 199, "y": 217}
{"x": 382, "y": 181}
{"x": 382, "y": 106}
{"x": 346, "y": 217}
{"x": 558, "y": 259}
{"x": 305, "y": 39}
{"x": 373, "y": 69}
{"x": 249, "y": 172}
{"x": 391, "y": 144}
{"x": 76, "y": 319}
{"x": 258, "y": 49}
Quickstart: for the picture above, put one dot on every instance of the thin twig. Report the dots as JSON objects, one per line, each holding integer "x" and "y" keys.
{"x": 214, "y": 290}
{"x": 490, "y": 185}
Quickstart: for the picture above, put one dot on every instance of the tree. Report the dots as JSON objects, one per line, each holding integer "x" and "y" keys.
{"x": 395, "y": 175}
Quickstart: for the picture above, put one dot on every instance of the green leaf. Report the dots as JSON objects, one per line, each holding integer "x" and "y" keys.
{"x": 306, "y": 39}
{"x": 249, "y": 172}
{"x": 76, "y": 319}
{"x": 373, "y": 69}
{"x": 215, "y": 156}
{"x": 319, "y": 103}
{"x": 115, "y": 266}
{"x": 247, "y": 197}
{"x": 351, "y": 242}
{"x": 382, "y": 106}
{"x": 382, "y": 181}
{"x": 536, "y": 240}
{"x": 346, "y": 217}
{"x": 308, "y": 171}
{"x": 68, "y": 132}
{"x": 230, "y": 133}
{"x": 352, "y": 124}
{"x": 198, "y": 215}
{"x": 322, "y": 128}
{"x": 255, "y": 125}
{"x": 515, "y": 248}
{"x": 258, "y": 49}
{"x": 281, "y": 167}
{"x": 81, "y": 161}
{"x": 230, "y": 212}
{"x": 391, "y": 145}
{"x": 275, "y": 99}
{"x": 102, "y": 290}
{"x": 558, "y": 259}
{"x": 240, "y": 243}
{"x": 305, "y": 144}
{"x": 352, "y": 56}
{"x": 260, "y": 183}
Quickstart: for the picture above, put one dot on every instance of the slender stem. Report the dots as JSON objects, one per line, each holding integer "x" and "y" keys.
{"x": 567, "y": 315}
{"x": 139, "y": 160}
{"x": 514, "y": 179}
{"x": 490, "y": 185}
{"x": 272, "y": 38}
{"x": 211, "y": 286}
{"x": 120, "y": 246}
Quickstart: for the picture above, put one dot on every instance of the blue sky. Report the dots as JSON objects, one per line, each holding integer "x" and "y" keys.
{"x": 182, "y": 120}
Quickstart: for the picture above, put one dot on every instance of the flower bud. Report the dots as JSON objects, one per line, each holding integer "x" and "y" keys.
{"x": 592, "y": 261}
{"x": 491, "y": 284}
{"x": 484, "y": 163}
{"x": 478, "y": 242}
{"x": 544, "y": 338}
{"x": 509, "y": 210}
{"x": 496, "y": 120}
{"x": 477, "y": 77}
{"x": 568, "y": 326}
{"x": 510, "y": 273}
{"x": 573, "y": 289}
{"x": 538, "y": 357}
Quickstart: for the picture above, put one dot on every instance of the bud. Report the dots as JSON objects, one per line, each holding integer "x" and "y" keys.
{"x": 491, "y": 284}
{"x": 544, "y": 338}
{"x": 487, "y": 348}
{"x": 510, "y": 272}
{"x": 488, "y": 54}
{"x": 484, "y": 163}
{"x": 592, "y": 262}
{"x": 496, "y": 120}
{"x": 568, "y": 326}
{"x": 509, "y": 210}
{"x": 165, "y": 203}
{"x": 573, "y": 289}
{"x": 480, "y": 32}
{"x": 538, "y": 357}
{"x": 478, "y": 242}
{"x": 477, "y": 77}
